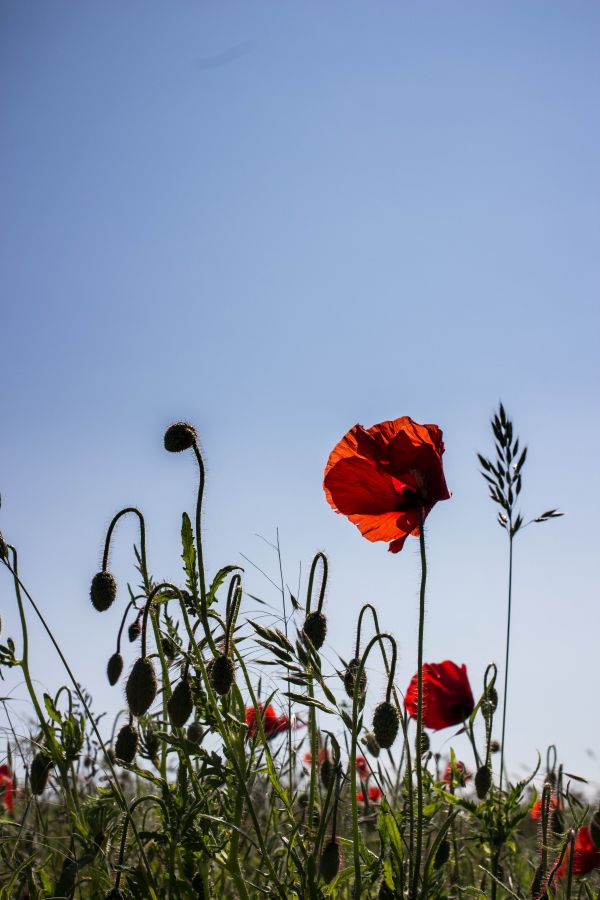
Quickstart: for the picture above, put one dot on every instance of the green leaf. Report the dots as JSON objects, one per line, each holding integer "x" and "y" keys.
{"x": 51, "y": 709}
{"x": 189, "y": 554}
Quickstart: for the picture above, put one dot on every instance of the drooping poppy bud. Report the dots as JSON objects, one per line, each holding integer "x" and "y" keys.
{"x": 315, "y": 628}
{"x": 181, "y": 704}
{"x": 326, "y": 771}
{"x": 127, "y": 744}
{"x": 141, "y": 687}
{"x": 38, "y": 773}
{"x": 330, "y": 862}
{"x": 350, "y": 678}
{"x": 385, "y": 724}
{"x": 222, "y": 674}
{"x": 103, "y": 591}
{"x": 152, "y": 742}
{"x": 180, "y": 436}
{"x": 134, "y": 630}
{"x": 483, "y": 781}
{"x": 114, "y": 668}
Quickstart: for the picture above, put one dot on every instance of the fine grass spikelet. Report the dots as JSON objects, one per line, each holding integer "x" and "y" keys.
{"x": 330, "y": 862}
{"x": 141, "y": 687}
{"x": 127, "y": 744}
{"x": 180, "y": 704}
{"x": 103, "y": 591}
{"x": 114, "y": 668}
{"x": 180, "y": 436}
{"x": 38, "y": 773}
{"x": 483, "y": 781}
{"x": 385, "y": 724}
{"x": 222, "y": 674}
{"x": 350, "y": 678}
{"x": 315, "y": 628}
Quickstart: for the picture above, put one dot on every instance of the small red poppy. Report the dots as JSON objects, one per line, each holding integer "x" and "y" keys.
{"x": 272, "y": 723}
{"x": 362, "y": 768}
{"x": 322, "y": 755}
{"x": 6, "y": 788}
{"x": 536, "y": 809}
{"x": 459, "y": 775}
{"x": 447, "y": 696}
{"x": 381, "y": 477}
{"x": 585, "y": 856}
{"x": 374, "y": 795}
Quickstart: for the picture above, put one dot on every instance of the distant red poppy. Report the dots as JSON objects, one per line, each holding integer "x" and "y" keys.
{"x": 447, "y": 695}
{"x": 322, "y": 755}
{"x": 460, "y": 775}
{"x": 585, "y": 856}
{"x": 362, "y": 768}
{"x": 380, "y": 477}
{"x": 272, "y": 723}
{"x": 374, "y": 794}
{"x": 6, "y": 788}
{"x": 536, "y": 809}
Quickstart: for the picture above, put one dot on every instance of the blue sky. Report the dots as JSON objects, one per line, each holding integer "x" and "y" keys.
{"x": 277, "y": 220}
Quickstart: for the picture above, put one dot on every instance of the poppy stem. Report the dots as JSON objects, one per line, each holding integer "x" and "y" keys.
{"x": 418, "y": 755}
{"x": 506, "y": 661}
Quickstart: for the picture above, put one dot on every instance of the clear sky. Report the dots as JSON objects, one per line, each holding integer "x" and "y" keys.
{"x": 276, "y": 220}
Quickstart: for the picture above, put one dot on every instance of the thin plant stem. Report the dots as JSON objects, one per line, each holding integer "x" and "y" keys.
{"x": 418, "y": 757}
{"x": 506, "y": 662}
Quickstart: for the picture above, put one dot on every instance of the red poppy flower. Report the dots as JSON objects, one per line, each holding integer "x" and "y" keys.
{"x": 447, "y": 696}
{"x": 272, "y": 723}
{"x": 536, "y": 809}
{"x": 6, "y": 788}
{"x": 322, "y": 755}
{"x": 460, "y": 775}
{"x": 585, "y": 856}
{"x": 374, "y": 795}
{"x": 380, "y": 477}
{"x": 362, "y": 768}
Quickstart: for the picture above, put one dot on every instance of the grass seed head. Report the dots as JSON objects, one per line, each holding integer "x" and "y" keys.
{"x": 350, "y": 678}
{"x": 181, "y": 704}
{"x": 385, "y": 724}
{"x": 141, "y": 687}
{"x": 330, "y": 862}
{"x": 114, "y": 668}
{"x": 127, "y": 743}
{"x": 180, "y": 436}
{"x": 103, "y": 591}
{"x": 315, "y": 629}
{"x": 222, "y": 673}
{"x": 38, "y": 773}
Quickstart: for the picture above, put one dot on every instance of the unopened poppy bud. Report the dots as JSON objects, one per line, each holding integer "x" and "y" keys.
{"x": 169, "y": 648}
{"x": 38, "y": 773}
{"x": 315, "y": 629}
{"x": 385, "y": 724}
{"x": 198, "y": 886}
{"x": 181, "y": 704}
{"x": 195, "y": 732}
{"x": 330, "y": 862}
{"x": 127, "y": 743}
{"x": 103, "y": 591}
{"x": 326, "y": 771}
{"x": 370, "y": 742}
{"x": 483, "y": 781}
{"x": 152, "y": 742}
{"x": 442, "y": 854}
{"x": 180, "y": 436}
{"x": 222, "y": 673}
{"x": 134, "y": 630}
{"x": 350, "y": 678}
{"x": 114, "y": 668}
{"x": 595, "y": 829}
{"x": 141, "y": 687}
{"x": 425, "y": 743}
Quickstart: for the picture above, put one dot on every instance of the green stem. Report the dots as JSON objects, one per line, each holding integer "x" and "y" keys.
{"x": 510, "y": 569}
{"x": 199, "y": 554}
{"x": 418, "y": 757}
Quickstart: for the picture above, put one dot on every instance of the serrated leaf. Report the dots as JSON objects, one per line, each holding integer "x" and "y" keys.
{"x": 189, "y": 554}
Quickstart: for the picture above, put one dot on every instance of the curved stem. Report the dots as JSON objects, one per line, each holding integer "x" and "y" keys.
{"x": 121, "y": 627}
{"x": 109, "y": 533}
{"x": 318, "y": 556}
{"x": 510, "y": 568}
{"x": 418, "y": 757}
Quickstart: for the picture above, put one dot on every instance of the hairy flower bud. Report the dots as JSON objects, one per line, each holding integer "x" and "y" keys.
{"x": 169, "y": 648}
{"x": 38, "y": 773}
{"x": 385, "y": 724}
{"x": 114, "y": 668}
{"x": 127, "y": 743}
{"x": 103, "y": 591}
{"x": 315, "y": 629}
{"x": 483, "y": 781}
{"x": 195, "y": 732}
{"x": 425, "y": 743}
{"x": 141, "y": 687}
{"x": 181, "y": 704}
{"x": 134, "y": 630}
{"x": 350, "y": 678}
{"x": 180, "y": 436}
{"x": 330, "y": 862}
{"x": 222, "y": 673}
